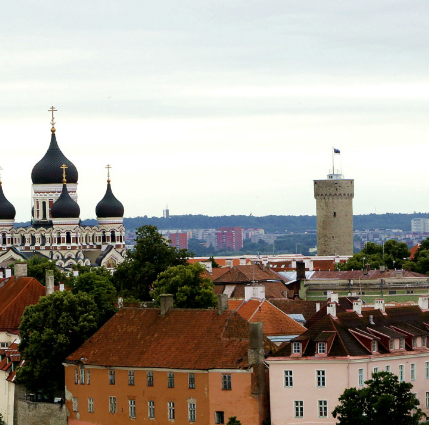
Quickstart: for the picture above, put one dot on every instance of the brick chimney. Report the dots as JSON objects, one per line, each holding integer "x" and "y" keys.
{"x": 256, "y": 357}
{"x": 222, "y": 303}
{"x": 334, "y": 297}
{"x": 49, "y": 282}
{"x": 300, "y": 270}
{"x": 8, "y": 272}
{"x": 166, "y": 303}
{"x": 20, "y": 270}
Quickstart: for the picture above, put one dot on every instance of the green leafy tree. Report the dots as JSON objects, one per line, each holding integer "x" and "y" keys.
{"x": 51, "y": 330}
{"x": 384, "y": 401}
{"x": 151, "y": 256}
{"x": 189, "y": 286}
{"x": 214, "y": 264}
{"x": 420, "y": 262}
{"x": 97, "y": 283}
{"x": 2, "y": 422}
{"x": 233, "y": 421}
{"x": 37, "y": 266}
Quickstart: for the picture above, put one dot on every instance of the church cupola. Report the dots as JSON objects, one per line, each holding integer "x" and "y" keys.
{"x": 7, "y": 210}
{"x": 109, "y": 206}
{"x": 65, "y": 207}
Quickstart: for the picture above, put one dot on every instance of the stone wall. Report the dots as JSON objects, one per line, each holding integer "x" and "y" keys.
{"x": 334, "y": 209}
{"x": 31, "y": 413}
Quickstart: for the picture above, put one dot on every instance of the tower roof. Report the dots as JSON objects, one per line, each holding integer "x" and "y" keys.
{"x": 109, "y": 206}
{"x": 7, "y": 210}
{"x": 48, "y": 171}
{"x": 65, "y": 207}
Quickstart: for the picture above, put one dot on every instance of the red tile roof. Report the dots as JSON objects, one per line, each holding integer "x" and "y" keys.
{"x": 249, "y": 273}
{"x": 371, "y": 275}
{"x": 182, "y": 339}
{"x": 274, "y": 321}
{"x": 272, "y": 289}
{"x": 306, "y": 308}
{"x": 15, "y": 295}
{"x": 413, "y": 251}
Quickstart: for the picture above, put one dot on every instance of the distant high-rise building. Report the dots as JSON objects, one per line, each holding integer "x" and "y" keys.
{"x": 420, "y": 225}
{"x": 229, "y": 238}
{"x": 334, "y": 209}
{"x": 166, "y": 212}
{"x": 179, "y": 240}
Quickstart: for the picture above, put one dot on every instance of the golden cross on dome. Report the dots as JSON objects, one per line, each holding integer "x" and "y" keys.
{"x": 64, "y": 166}
{"x": 108, "y": 172}
{"x": 52, "y": 109}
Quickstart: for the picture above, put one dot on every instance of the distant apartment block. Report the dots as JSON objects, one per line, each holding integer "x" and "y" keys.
{"x": 420, "y": 225}
{"x": 229, "y": 238}
{"x": 179, "y": 240}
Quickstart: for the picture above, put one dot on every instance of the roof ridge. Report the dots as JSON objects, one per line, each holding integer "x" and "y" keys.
{"x": 256, "y": 309}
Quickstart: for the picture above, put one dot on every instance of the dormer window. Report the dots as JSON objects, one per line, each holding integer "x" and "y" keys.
{"x": 423, "y": 341}
{"x": 415, "y": 342}
{"x": 401, "y": 343}
{"x": 374, "y": 346}
{"x": 296, "y": 347}
{"x": 321, "y": 347}
{"x": 392, "y": 344}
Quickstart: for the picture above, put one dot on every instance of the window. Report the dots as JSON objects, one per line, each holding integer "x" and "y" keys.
{"x": 171, "y": 410}
{"x": 82, "y": 376}
{"x": 226, "y": 381}
{"x": 191, "y": 380}
{"x": 360, "y": 377}
{"x": 170, "y": 380}
{"x": 321, "y": 347}
{"x": 76, "y": 376}
{"x": 4, "y": 344}
{"x": 151, "y": 409}
{"x": 413, "y": 371}
{"x": 321, "y": 378}
{"x": 427, "y": 400}
{"x": 288, "y": 378}
{"x": 111, "y": 377}
{"x": 374, "y": 346}
{"x": 401, "y": 343}
{"x": 323, "y": 408}
{"x": 375, "y": 370}
{"x": 132, "y": 409}
{"x": 392, "y": 344}
{"x": 296, "y": 347}
{"x": 401, "y": 373}
{"x": 88, "y": 376}
{"x": 112, "y": 404}
{"x": 414, "y": 342}
{"x": 219, "y": 418}
{"x": 75, "y": 404}
{"x": 299, "y": 408}
{"x": 392, "y": 292}
{"x": 130, "y": 377}
{"x": 423, "y": 341}
{"x": 90, "y": 405}
{"x": 192, "y": 412}
{"x": 427, "y": 369}
{"x": 150, "y": 379}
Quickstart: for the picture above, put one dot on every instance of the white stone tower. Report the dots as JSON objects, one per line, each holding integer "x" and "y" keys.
{"x": 334, "y": 210}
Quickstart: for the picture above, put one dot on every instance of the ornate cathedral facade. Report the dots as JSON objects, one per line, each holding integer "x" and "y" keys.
{"x": 55, "y": 231}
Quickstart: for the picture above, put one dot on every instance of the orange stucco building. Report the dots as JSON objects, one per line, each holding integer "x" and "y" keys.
{"x": 165, "y": 366}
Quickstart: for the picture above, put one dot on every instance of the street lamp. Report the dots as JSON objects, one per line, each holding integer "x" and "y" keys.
{"x": 363, "y": 263}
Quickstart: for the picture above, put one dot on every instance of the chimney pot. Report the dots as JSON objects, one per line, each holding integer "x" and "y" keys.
{"x": 379, "y": 304}
{"x": 120, "y": 302}
{"x": 20, "y": 270}
{"x": 166, "y": 303}
{"x": 62, "y": 287}
{"x": 357, "y": 306}
{"x": 334, "y": 297}
{"x": 222, "y": 303}
{"x": 332, "y": 309}
{"x": 423, "y": 302}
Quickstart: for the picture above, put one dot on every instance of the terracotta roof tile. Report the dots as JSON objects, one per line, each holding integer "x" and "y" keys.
{"x": 249, "y": 273}
{"x": 371, "y": 275}
{"x": 306, "y": 308}
{"x": 182, "y": 339}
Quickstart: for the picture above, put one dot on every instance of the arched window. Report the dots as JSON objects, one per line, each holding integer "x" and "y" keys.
{"x": 58, "y": 238}
{"x": 43, "y": 237}
{"x": 33, "y": 240}
{"x": 22, "y": 240}
{"x": 68, "y": 238}
{"x": 3, "y": 239}
{"x": 103, "y": 238}
{"x": 44, "y": 210}
{"x": 112, "y": 236}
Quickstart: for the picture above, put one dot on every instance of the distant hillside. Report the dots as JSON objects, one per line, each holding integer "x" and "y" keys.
{"x": 272, "y": 223}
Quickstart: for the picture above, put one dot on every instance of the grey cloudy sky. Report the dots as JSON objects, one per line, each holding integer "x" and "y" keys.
{"x": 218, "y": 107}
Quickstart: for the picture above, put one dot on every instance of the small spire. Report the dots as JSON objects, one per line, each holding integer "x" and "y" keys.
{"x": 64, "y": 166}
{"x": 52, "y": 109}
{"x": 108, "y": 172}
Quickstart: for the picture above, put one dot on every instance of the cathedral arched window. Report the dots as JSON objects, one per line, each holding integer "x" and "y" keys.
{"x": 68, "y": 238}
{"x": 33, "y": 240}
{"x": 58, "y": 238}
{"x": 103, "y": 238}
{"x": 112, "y": 236}
{"x": 43, "y": 238}
{"x": 22, "y": 240}
{"x": 44, "y": 210}
{"x": 3, "y": 239}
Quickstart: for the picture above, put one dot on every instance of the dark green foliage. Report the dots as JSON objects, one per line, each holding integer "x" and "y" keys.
{"x": 396, "y": 255}
{"x": 2, "y": 422}
{"x": 151, "y": 256}
{"x": 384, "y": 401}
{"x": 189, "y": 286}
{"x": 50, "y": 331}
{"x": 233, "y": 421}
{"x": 420, "y": 262}
{"x": 37, "y": 266}
{"x": 214, "y": 264}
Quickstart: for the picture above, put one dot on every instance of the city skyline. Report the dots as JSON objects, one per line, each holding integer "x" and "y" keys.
{"x": 218, "y": 108}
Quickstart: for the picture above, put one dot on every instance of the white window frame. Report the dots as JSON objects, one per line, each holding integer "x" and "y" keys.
{"x": 90, "y": 405}
{"x": 192, "y": 411}
{"x": 132, "y": 408}
{"x": 392, "y": 344}
{"x": 82, "y": 376}
{"x": 226, "y": 381}
{"x": 112, "y": 377}
{"x": 320, "y": 378}
{"x": 149, "y": 379}
{"x": 321, "y": 347}
{"x": 298, "y": 408}
{"x": 374, "y": 346}
{"x": 427, "y": 370}
{"x": 288, "y": 378}
{"x": 427, "y": 399}
{"x": 388, "y": 368}
{"x": 76, "y": 376}
{"x": 361, "y": 379}
{"x": 88, "y": 376}
{"x": 413, "y": 371}
{"x": 401, "y": 374}
{"x": 296, "y": 347}
{"x": 112, "y": 404}
{"x": 375, "y": 370}
{"x": 75, "y": 404}
{"x": 170, "y": 380}
{"x": 191, "y": 381}
{"x": 131, "y": 377}
{"x": 170, "y": 408}
{"x": 151, "y": 409}
{"x": 322, "y": 407}
{"x": 401, "y": 343}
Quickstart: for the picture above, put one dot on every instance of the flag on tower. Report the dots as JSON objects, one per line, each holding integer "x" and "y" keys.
{"x": 336, "y": 150}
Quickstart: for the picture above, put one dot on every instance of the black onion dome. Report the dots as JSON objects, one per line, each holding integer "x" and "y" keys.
{"x": 64, "y": 206}
{"x": 7, "y": 210}
{"x": 48, "y": 169}
{"x": 109, "y": 206}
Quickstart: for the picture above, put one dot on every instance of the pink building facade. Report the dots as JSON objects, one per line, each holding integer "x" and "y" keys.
{"x": 341, "y": 351}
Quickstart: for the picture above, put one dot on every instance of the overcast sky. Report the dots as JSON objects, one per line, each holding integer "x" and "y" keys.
{"x": 218, "y": 107}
